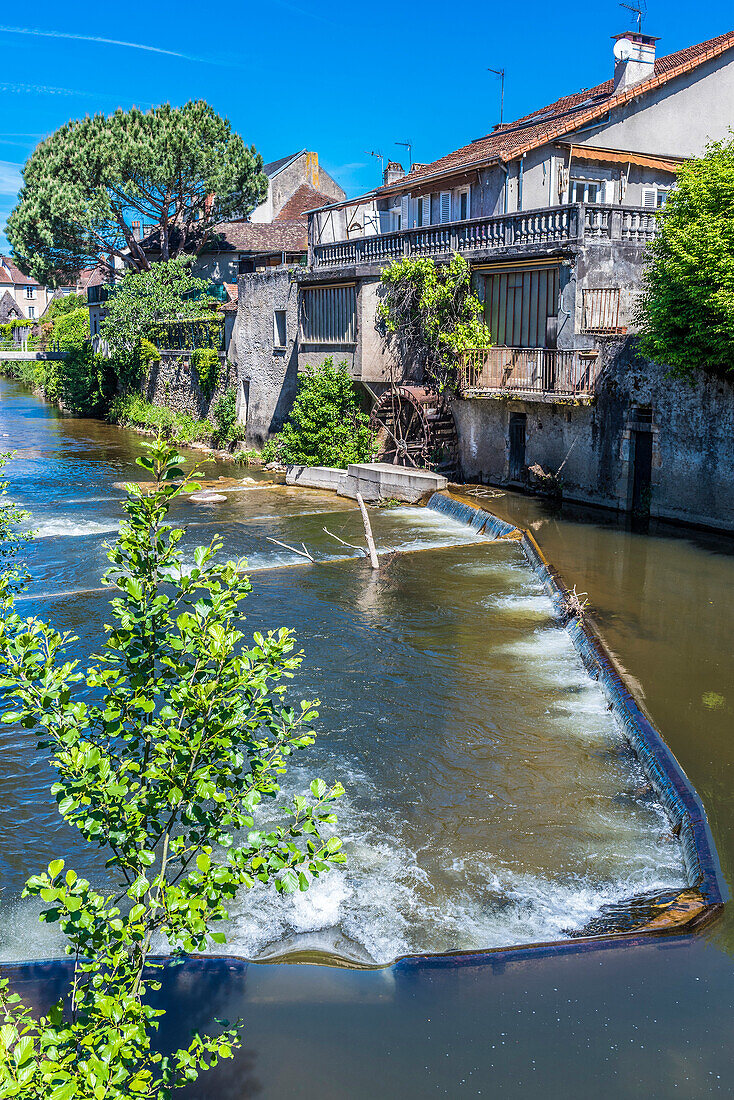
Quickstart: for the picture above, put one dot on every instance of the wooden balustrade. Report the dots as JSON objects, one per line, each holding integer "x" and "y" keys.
{"x": 528, "y": 371}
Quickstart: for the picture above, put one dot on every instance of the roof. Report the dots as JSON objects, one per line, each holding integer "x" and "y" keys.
{"x": 90, "y": 276}
{"x": 244, "y": 236}
{"x": 10, "y": 273}
{"x": 303, "y": 198}
{"x": 8, "y": 307}
{"x": 275, "y": 166}
{"x": 511, "y": 140}
{"x": 232, "y": 297}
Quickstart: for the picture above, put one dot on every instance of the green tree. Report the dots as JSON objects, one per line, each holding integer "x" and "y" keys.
{"x": 687, "y": 308}
{"x": 178, "y": 169}
{"x": 67, "y": 304}
{"x": 164, "y": 747}
{"x": 143, "y": 299}
{"x": 326, "y": 426}
{"x": 429, "y": 315}
{"x": 12, "y": 538}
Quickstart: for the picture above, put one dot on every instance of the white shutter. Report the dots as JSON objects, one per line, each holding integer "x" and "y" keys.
{"x": 405, "y": 212}
{"x": 426, "y": 219}
{"x": 445, "y": 208}
{"x": 648, "y": 198}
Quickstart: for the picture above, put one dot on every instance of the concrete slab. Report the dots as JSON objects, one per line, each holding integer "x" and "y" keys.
{"x": 382, "y": 481}
{"x": 316, "y": 477}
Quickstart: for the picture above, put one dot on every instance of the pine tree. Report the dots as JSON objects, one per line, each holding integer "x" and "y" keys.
{"x": 178, "y": 169}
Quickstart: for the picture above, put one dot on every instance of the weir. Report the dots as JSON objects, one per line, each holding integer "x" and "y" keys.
{"x": 706, "y": 891}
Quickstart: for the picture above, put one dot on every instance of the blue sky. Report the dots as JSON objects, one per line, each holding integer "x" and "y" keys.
{"x": 336, "y": 77}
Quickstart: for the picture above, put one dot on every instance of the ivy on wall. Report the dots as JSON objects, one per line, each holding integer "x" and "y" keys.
{"x": 429, "y": 315}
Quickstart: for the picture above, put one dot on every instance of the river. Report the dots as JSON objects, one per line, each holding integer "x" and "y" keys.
{"x": 490, "y": 800}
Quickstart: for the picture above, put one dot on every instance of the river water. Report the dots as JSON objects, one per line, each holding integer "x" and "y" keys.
{"x": 651, "y": 1019}
{"x": 490, "y": 797}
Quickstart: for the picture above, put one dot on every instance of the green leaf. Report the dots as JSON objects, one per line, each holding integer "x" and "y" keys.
{"x": 318, "y": 788}
{"x": 55, "y": 867}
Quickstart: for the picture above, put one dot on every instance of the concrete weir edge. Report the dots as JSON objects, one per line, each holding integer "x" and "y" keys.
{"x": 706, "y": 891}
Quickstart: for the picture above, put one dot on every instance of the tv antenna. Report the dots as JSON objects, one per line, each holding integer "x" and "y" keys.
{"x": 501, "y": 74}
{"x": 374, "y": 153}
{"x": 408, "y": 144}
{"x": 638, "y": 11}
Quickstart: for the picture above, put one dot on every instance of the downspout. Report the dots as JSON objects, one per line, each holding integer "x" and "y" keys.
{"x": 520, "y": 173}
{"x": 506, "y": 170}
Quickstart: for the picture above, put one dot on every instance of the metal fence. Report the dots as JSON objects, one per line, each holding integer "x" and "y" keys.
{"x": 528, "y": 370}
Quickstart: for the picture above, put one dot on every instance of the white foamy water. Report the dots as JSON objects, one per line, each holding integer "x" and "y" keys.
{"x": 72, "y": 527}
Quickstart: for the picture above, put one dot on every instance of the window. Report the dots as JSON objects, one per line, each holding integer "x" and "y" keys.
{"x": 31, "y": 312}
{"x": 445, "y": 207}
{"x": 463, "y": 205}
{"x": 600, "y": 310}
{"x": 587, "y": 191}
{"x": 329, "y": 314}
{"x": 30, "y": 292}
{"x": 405, "y": 212}
{"x": 423, "y": 210}
{"x": 280, "y": 339}
{"x": 518, "y": 306}
{"x": 653, "y": 198}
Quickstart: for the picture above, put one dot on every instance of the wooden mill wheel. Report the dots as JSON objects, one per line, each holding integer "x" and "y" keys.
{"x": 414, "y": 428}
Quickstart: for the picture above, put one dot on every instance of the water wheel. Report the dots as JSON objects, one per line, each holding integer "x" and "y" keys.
{"x": 414, "y": 427}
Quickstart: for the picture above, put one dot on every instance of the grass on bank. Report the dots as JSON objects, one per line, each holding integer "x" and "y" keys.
{"x": 132, "y": 411}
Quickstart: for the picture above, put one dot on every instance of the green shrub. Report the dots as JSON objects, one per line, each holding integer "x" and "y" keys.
{"x": 72, "y": 329}
{"x": 131, "y": 410}
{"x": 206, "y": 363}
{"x": 60, "y": 306}
{"x": 224, "y": 414}
{"x": 326, "y": 426}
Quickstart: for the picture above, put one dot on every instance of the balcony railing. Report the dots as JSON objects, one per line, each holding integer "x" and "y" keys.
{"x": 518, "y": 371}
{"x": 550, "y": 226}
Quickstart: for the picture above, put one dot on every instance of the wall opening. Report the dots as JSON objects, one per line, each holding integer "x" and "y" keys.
{"x": 642, "y": 473}
{"x": 518, "y": 423}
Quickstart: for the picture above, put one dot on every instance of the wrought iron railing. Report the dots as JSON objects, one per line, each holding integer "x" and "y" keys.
{"x": 528, "y": 371}
{"x": 548, "y": 226}
{"x": 189, "y": 333}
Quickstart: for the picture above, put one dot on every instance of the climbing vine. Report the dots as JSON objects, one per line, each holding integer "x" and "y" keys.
{"x": 206, "y": 363}
{"x": 429, "y": 315}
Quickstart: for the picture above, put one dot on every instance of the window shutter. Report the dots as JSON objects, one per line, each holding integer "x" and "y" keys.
{"x": 405, "y": 212}
{"x": 648, "y": 198}
{"x": 445, "y": 214}
{"x": 426, "y": 201}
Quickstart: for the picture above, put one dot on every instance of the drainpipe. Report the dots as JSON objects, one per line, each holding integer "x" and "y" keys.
{"x": 519, "y": 181}
{"x": 506, "y": 170}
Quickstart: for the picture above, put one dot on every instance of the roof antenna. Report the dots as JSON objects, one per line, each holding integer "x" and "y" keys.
{"x": 373, "y": 153}
{"x": 501, "y": 74}
{"x": 638, "y": 11}
{"x": 409, "y": 146}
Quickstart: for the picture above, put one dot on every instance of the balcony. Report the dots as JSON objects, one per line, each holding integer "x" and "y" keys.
{"x": 526, "y": 231}
{"x": 528, "y": 372}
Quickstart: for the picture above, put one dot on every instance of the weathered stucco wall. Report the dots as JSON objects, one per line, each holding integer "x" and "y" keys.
{"x": 692, "y": 429}
{"x": 174, "y": 382}
{"x": 267, "y": 374}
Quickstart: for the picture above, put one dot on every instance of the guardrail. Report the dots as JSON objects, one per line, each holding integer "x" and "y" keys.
{"x": 528, "y": 370}
{"x": 549, "y": 226}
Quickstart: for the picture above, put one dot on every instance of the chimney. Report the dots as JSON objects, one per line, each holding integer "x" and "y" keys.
{"x": 634, "y": 59}
{"x": 137, "y": 235}
{"x": 393, "y": 172}
{"x": 312, "y": 169}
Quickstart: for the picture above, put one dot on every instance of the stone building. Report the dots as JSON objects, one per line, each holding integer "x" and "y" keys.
{"x": 553, "y": 211}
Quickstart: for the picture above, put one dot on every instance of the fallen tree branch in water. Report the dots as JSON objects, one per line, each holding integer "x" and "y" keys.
{"x": 351, "y": 545}
{"x": 301, "y": 553}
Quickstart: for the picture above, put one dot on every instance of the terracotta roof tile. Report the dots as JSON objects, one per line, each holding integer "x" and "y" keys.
{"x": 243, "y": 236}
{"x": 10, "y": 273}
{"x": 303, "y": 198}
{"x": 565, "y": 115}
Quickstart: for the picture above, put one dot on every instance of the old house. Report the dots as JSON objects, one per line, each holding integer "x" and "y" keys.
{"x": 29, "y": 296}
{"x": 553, "y": 211}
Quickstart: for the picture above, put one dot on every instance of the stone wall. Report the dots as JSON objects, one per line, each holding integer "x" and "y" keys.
{"x": 267, "y": 375}
{"x": 691, "y": 427}
{"x": 174, "y": 382}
